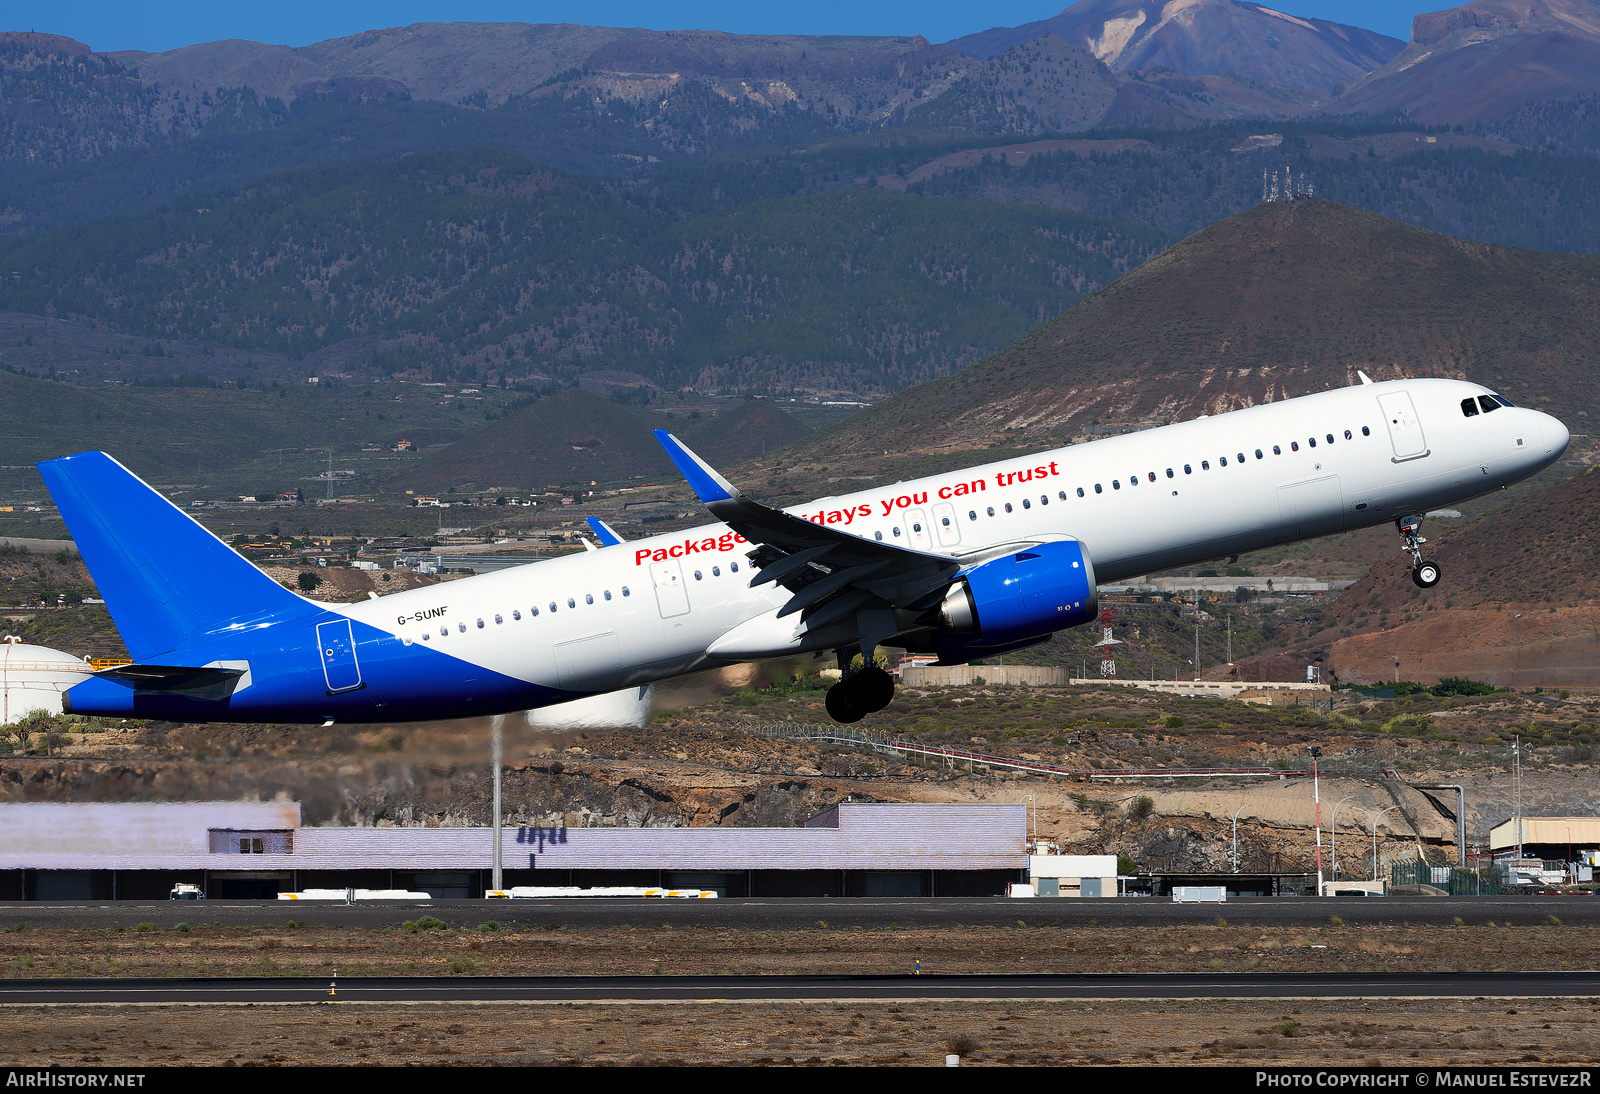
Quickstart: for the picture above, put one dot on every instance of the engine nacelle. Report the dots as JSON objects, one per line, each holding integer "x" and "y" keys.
{"x": 1034, "y": 592}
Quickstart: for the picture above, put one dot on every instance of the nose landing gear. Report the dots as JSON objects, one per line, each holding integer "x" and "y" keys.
{"x": 1424, "y": 574}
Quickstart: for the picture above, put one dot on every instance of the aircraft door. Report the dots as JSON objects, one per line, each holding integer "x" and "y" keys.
{"x": 921, "y": 535}
{"x": 671, "y": 595}
{"x": 946, "y": 525}
{"x": 1405, "y": 428}
{"x": 338, "y": 649}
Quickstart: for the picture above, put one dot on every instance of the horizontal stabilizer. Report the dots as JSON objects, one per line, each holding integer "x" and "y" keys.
{"x": 166, "y": 579}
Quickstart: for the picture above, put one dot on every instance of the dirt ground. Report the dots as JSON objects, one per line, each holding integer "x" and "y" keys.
{"x": 917, "y": 1034}
{"x": 1033, "y": 945}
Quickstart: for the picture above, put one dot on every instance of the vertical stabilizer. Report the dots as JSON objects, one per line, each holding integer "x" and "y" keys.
{"x": 165, "y": 578}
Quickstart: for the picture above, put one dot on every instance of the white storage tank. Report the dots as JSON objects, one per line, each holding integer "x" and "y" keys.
{"x": 34, "y": 678}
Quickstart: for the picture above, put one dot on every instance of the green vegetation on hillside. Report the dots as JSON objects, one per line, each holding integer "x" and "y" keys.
{"x": 467, "y": 264}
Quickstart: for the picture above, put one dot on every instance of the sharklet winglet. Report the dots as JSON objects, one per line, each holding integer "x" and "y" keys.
{"x": 708, "y": 486}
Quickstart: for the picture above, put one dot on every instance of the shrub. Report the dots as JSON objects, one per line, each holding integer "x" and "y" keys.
{"x": 1460, "y": 685}
{"x": 1141, "y": 807}
{"x": 426, "y": 923}
{"x": 960, "y": 1044}
{"x": 145, "y": 927}
{"x": 1173, "y": 722}
{"x": 491, "y": 925}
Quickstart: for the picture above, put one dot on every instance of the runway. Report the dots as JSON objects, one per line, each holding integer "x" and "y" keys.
{"x": 715, "y": 989}
{"x": 800, "y": 913}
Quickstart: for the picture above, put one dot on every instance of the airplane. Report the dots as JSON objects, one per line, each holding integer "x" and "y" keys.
{"x": 965, "y": 564}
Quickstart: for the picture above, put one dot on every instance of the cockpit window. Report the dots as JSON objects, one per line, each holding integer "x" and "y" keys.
{"x": 1485, "y": 401}
{"x": 1469, "y": 407}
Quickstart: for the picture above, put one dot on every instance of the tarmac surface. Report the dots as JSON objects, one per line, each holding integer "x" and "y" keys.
{"x": 718, "y": 989}
{"x": 793, "y": 913}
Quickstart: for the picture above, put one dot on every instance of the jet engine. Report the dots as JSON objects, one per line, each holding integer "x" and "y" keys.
{"x": 1016, "y": 599}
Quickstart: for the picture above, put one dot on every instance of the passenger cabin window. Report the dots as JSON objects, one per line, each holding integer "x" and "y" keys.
{"x": 608, "y": 594}
{"x": 1365, "y": 432}
{"x": 625, "y": 591}
{"x": 571, "y": 603}
{"x": 991, "y": 510}
{"x": 1347, "y": 435}
{"x": 698, "y": 576}
{"x": 1258, "y": 455}
{"x": 516, "y": 614}
{"x": 1187, "y": 470}
{"x": 588, "y": 598}
{"x": 1294, "y": 446}
{"x": 1312, "y": 441}
{"x": 1044, "y": 499}
{"x": 1152, "y": 476}
{"x": 1008, "y": 507}
{"x": 1330, "y": 438}
{"x": 1080, "y": 491}
{"x": 733, "y": 568}
{"x": 1222, "y": 461}
{"x": 972, "y": 514}
{"x": 480, "y": 624}
{"x": 879, "y": 535}
{"x": 462, "y": 627}
{"x": 1276, "y": 451}
{"x": 1062, "y": 494}
{"x": 1205, "y": 465}
{"x": 1026, "y": 504}
{"x": 1116, "y": 484}
{"x": 1169, "y": 472}
{"x": 497, "y": 619}
{"x": 716, "y": 571}
{"x": 1097, "y": 489}
{"x": 533, "y": 612}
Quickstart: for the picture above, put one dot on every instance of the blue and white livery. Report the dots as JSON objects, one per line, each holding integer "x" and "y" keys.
{"x": 965, "y": 564}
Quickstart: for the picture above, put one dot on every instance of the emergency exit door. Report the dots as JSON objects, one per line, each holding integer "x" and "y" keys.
{"x": 338, "y": 649}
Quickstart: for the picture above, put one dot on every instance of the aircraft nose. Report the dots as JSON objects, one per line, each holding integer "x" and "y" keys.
{"x": 1556, "y": 435}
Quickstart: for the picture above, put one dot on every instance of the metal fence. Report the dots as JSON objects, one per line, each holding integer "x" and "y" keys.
{"x": 1485, "y": 880}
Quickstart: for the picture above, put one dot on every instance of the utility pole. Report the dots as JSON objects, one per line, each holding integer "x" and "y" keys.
{"x": 1197, "y": 643}
{"x": 495, "y": 748}
{"x": 1230, "y": 639}
{"x": 1316, "y": 797}
{"x": 330, "y": 472}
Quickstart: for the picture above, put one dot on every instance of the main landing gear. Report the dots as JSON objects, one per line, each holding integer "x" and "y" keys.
{"x": 1424, "y": 574}
{"x": 863, "y": 692}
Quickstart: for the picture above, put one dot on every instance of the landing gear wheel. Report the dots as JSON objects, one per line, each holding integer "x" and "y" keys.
{"x": 1425, "y": 574}
{"x": 840, "y": 707}
{"x": 871, "y": 689}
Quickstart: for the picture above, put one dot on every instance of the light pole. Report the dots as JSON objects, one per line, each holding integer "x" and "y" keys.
{"x": 1375, "y": 820}
{"x": 1034, "y": 802}
{"x": 1333, "y": 835}
{"x": 1236, "y": 813}
{"x": 495, "y": 880}
{"x": 1316, "y": 797}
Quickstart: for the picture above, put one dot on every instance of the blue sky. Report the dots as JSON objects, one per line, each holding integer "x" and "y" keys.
{"x": 118, "y": 24}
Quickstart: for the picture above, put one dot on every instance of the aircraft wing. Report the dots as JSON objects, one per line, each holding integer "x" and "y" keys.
{"x": 830, "y": 572}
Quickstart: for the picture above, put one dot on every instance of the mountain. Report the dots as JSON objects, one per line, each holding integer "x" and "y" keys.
{"x": 483, "y": 264}
{"x": 576, "y": 436}
{"x": 1285, "y": 298}
{"x": 1205, "y": 37}
{"x": 1485, "y": 60}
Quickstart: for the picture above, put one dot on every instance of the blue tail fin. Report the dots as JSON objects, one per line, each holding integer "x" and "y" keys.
{"x": 165, "y": 578}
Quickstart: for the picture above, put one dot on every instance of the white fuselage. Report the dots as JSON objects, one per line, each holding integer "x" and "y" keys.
{"x": 654, "y": 608}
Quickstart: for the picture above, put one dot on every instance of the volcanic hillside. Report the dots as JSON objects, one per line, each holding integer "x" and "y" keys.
{"x": 1519, "y": 603}
{"x": 576, "y": 436}
{"x": 1280, "y": 300}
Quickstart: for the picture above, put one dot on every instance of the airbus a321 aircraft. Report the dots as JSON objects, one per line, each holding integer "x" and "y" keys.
{"x": 967, "y": 564}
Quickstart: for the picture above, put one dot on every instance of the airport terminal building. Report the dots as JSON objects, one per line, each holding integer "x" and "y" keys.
{"x": 255, "y": 850}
